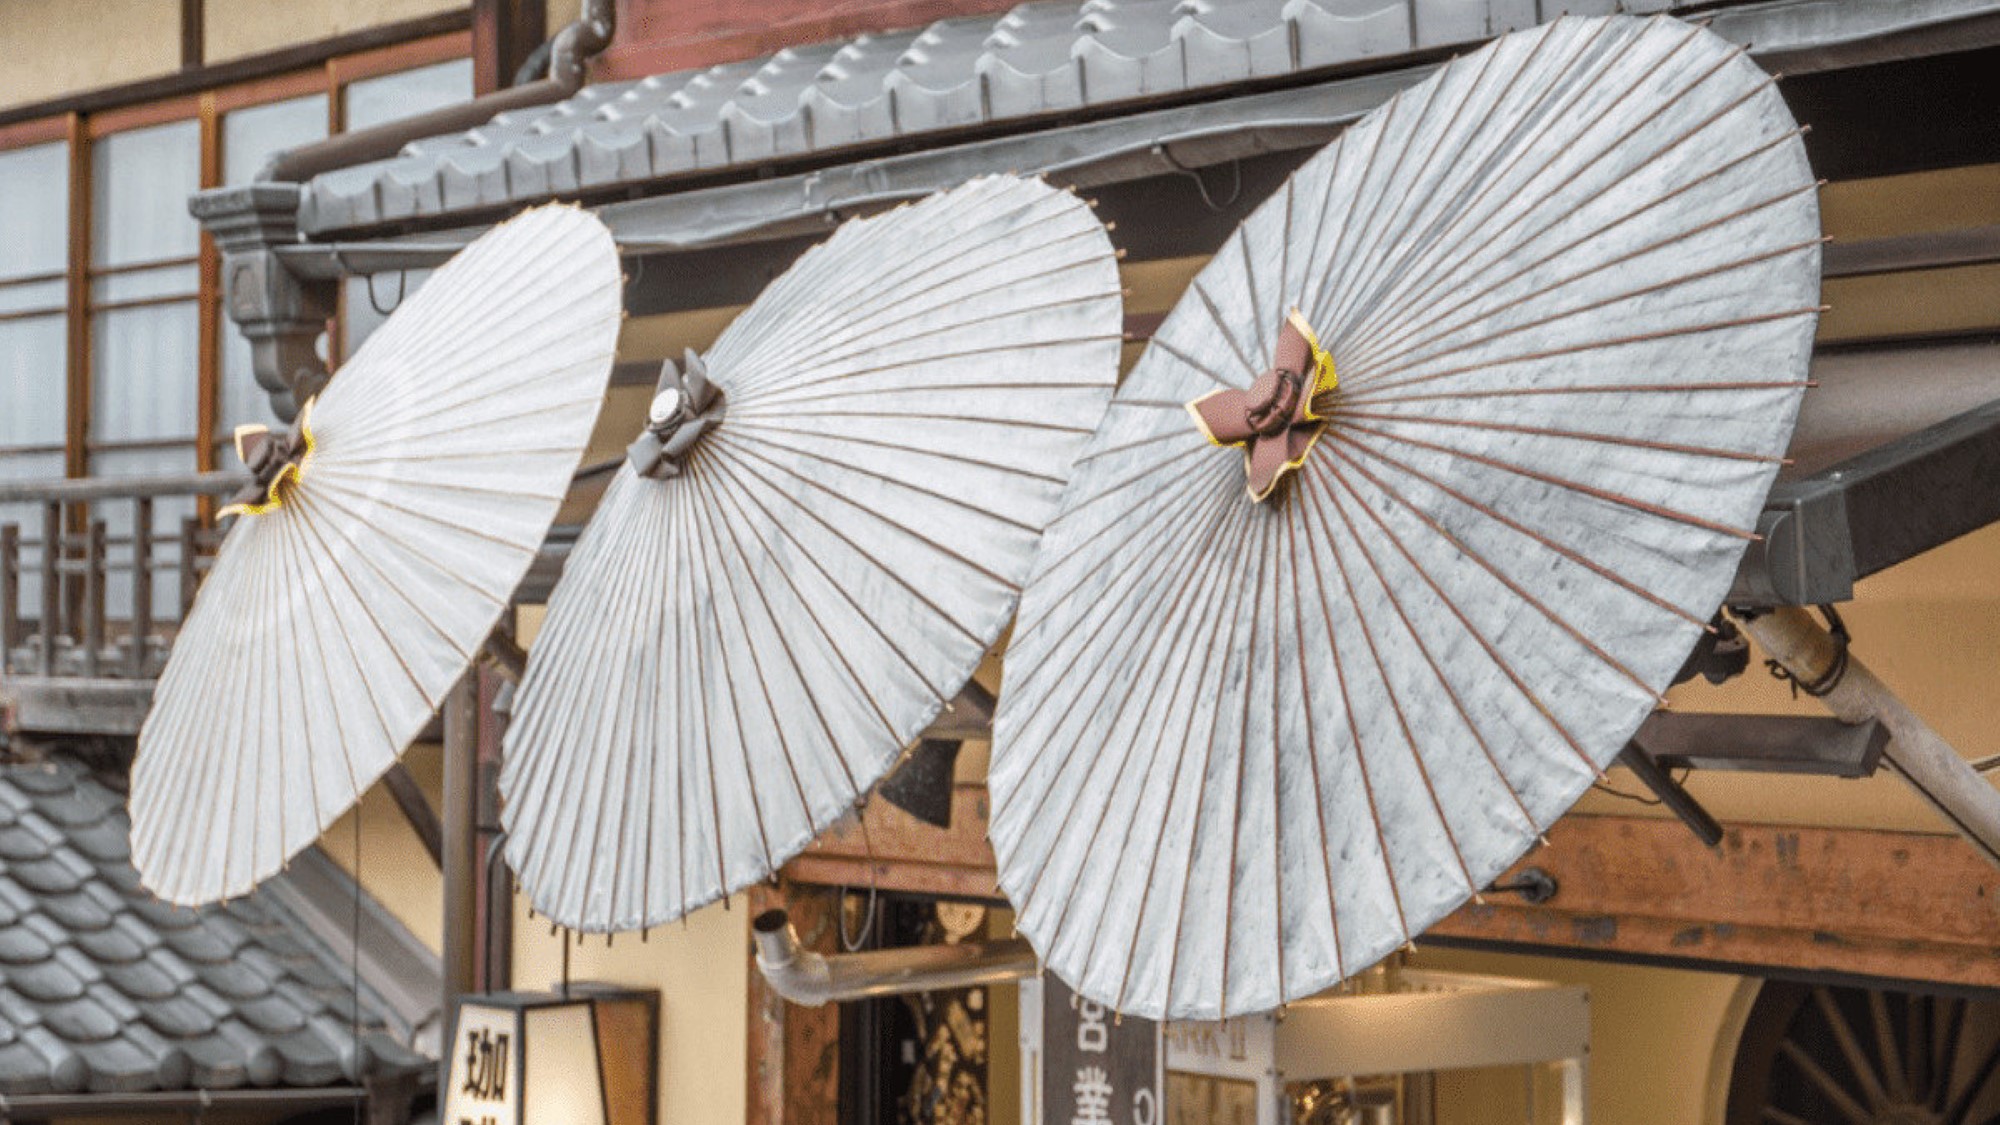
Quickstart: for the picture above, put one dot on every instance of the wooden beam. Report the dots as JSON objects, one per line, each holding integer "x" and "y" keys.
{"x": 504, "y": 34}
{"x": 1834, "y": 901}
{"x": 77, "y": 302}
{"x": 75, "y": 705}
{"x": 898, "y": 852}
{"x": 208, "y": 313}
{"x": 1771, "y": 899}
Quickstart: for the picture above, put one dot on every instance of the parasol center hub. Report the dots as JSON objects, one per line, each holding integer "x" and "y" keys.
{"x": 1276, "y": 419}
{"x": 276, "y": 460}
{"x": 685, "y": 405}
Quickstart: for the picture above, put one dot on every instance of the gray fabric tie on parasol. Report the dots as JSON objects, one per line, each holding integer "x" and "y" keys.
{"x": 1247, "y": 746}
{"x": 383, "y": 539}
{"x": 821, "y": 531}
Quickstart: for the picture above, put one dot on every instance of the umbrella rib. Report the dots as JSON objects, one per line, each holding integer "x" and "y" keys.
{"x": 1454, "y": 267}
{"x": 756, "y": 665}
{"x": 1683, "y": 387}
{"x": 1494, "y": 655}
{"x": 812, "y": 701}
{"x": 1411, "y": 214}
{"x": 755, "y": 423}
{"x": 325, "y": 497}
{"x": 701, "y": 697}
{"x": 772, "y": 404}
{"x": 1180, "y": 431}
{"x": 873, "y": 339}
{"x": 809, "y": 454}
{"x": 1571, "y": 435}
{"x": 1167, "y": 347}
{"x": 1430, "y": 659}
{"x": 1368, "y": 256}
{"x": 1559, "y": 482}
{"x": 1488, "y": 566}
{"x": 368, "y": 612}
{"x": 819, "y": 625}
{"x": 1325, "y": 849}
{"x": 723, "y": 466}
{"x": 1153, "y": 862}
{"x": 1375, "y": 375}
{"x": 1209, "y": 591}
{"x": 1207, "y": 304}
{"x": 1411, "y": 331}
{"x": 1492, "y": 513}
{"x": 929, "y": 415}
{"x": 1161, "y": 509}
{"x": 1257, "y": 326}
{"x": 1242, "y": 773}
{"x": 1523, "y": 138}
{"x": 1389, "y": 692}
{"x": 806, "y": 282}
{"x": 1363, "y": 196}
{"x": 1347, "y": 708}
{"x": 711, "y": 558}
{"x": 1132, "y": 595}
{"x": 747, "y": 450}
{"x": 296, "y": 568}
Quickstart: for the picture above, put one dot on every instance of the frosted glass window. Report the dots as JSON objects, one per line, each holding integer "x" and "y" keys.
{"x": 34, "y": 251}
{"x": 374, "y": 101}
{"x": 144, "y": 322}
{"x": 250, "y": 138}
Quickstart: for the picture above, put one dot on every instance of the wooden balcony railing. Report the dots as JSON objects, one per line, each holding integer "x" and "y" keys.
{"x": 92, "y": 593}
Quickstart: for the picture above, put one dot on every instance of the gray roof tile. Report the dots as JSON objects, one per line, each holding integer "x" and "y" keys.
{"x": 105, "y": 989}
{"x": 1040, "y": 58}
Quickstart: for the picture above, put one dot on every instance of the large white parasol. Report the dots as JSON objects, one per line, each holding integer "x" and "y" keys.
{"x": 1565, "y": 290}
{"x": 387, "y": 536}
{"x": 823, "y": 529}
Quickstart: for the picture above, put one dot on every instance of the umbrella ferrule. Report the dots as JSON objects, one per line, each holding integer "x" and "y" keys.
{"x": 685, "y": 405}
{"x": 1276, "y": 419}
{"x": 276, "y": 462}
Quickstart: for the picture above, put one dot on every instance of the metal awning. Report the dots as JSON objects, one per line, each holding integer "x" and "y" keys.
{"x": 1039, "y": 63}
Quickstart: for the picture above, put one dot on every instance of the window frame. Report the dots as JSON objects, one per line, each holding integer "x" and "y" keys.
{"x": 80, "y": 130}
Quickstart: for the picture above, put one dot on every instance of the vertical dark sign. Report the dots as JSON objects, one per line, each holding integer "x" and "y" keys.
{"x": 1096, "y": 1069}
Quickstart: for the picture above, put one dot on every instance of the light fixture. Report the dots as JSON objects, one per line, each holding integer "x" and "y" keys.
{"x": 519, "y": 1057}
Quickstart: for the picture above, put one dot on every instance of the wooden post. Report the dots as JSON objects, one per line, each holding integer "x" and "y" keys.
{"x": 461, "y": 838}
{"x": 1925, "y": 760}
{"x": 52, "y": 537}
{"x": 93, "y": 598}
{"x": 10, "y": 594}
{"x": 142, "y": 586}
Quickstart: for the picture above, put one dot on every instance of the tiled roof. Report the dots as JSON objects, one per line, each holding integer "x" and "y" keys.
{"x": 1041, "y": 58}
{"x": 104, "y": 989}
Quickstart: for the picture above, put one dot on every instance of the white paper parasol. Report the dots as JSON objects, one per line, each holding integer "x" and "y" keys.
{"x": 1568, "y": 286}
{"x": 843, "y": 499}
{"x": 381, "y": 553}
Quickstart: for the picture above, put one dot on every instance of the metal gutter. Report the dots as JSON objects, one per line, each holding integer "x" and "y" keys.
{"x": 177, "y": 1101}
{"x": 572, "y": 47}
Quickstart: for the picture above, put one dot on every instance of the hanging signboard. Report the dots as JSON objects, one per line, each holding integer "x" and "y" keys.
{"x": 1095, "y": 1069}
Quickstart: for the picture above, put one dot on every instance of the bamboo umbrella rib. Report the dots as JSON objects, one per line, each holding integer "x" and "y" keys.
{"x": 1131, "y": 603}
{"x": 1472, "y": 296}
{"x": 1624, "y": 441}
{"x": 1511, "y": 141}
{"x": 1679, "y": 388}
{"x": 761, "y": 426}
{"x": 1325, "y": 849}
{"x": 1455, "y": 266}
{"x": 1209, "y": 590}
{"x": 805, "y": 454}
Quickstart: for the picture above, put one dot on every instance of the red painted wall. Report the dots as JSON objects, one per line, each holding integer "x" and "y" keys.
{"x": 655, "y": 36}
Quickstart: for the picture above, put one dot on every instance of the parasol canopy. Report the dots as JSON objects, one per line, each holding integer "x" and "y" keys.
{"x": 1507, "y": 371}
{"x": 821, "y": 531}
{"x": 384, "y": 537}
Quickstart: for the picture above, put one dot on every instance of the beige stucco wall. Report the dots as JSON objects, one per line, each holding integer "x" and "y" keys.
{"x": 58, "y": 47}
{"x": 234, "y": 28}
{"x": 701, "y": 968}
{"x": 1654, "y": 1036}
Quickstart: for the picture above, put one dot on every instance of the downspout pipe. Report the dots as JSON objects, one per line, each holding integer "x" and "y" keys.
{"x": 569, "y": 50}
{"x": 813, "y": 979}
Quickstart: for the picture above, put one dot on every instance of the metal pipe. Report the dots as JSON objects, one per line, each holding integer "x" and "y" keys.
{"x": 813, "y": 979}
{"x": 1924, "y": 759}
{"x": 571, "y": 48}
